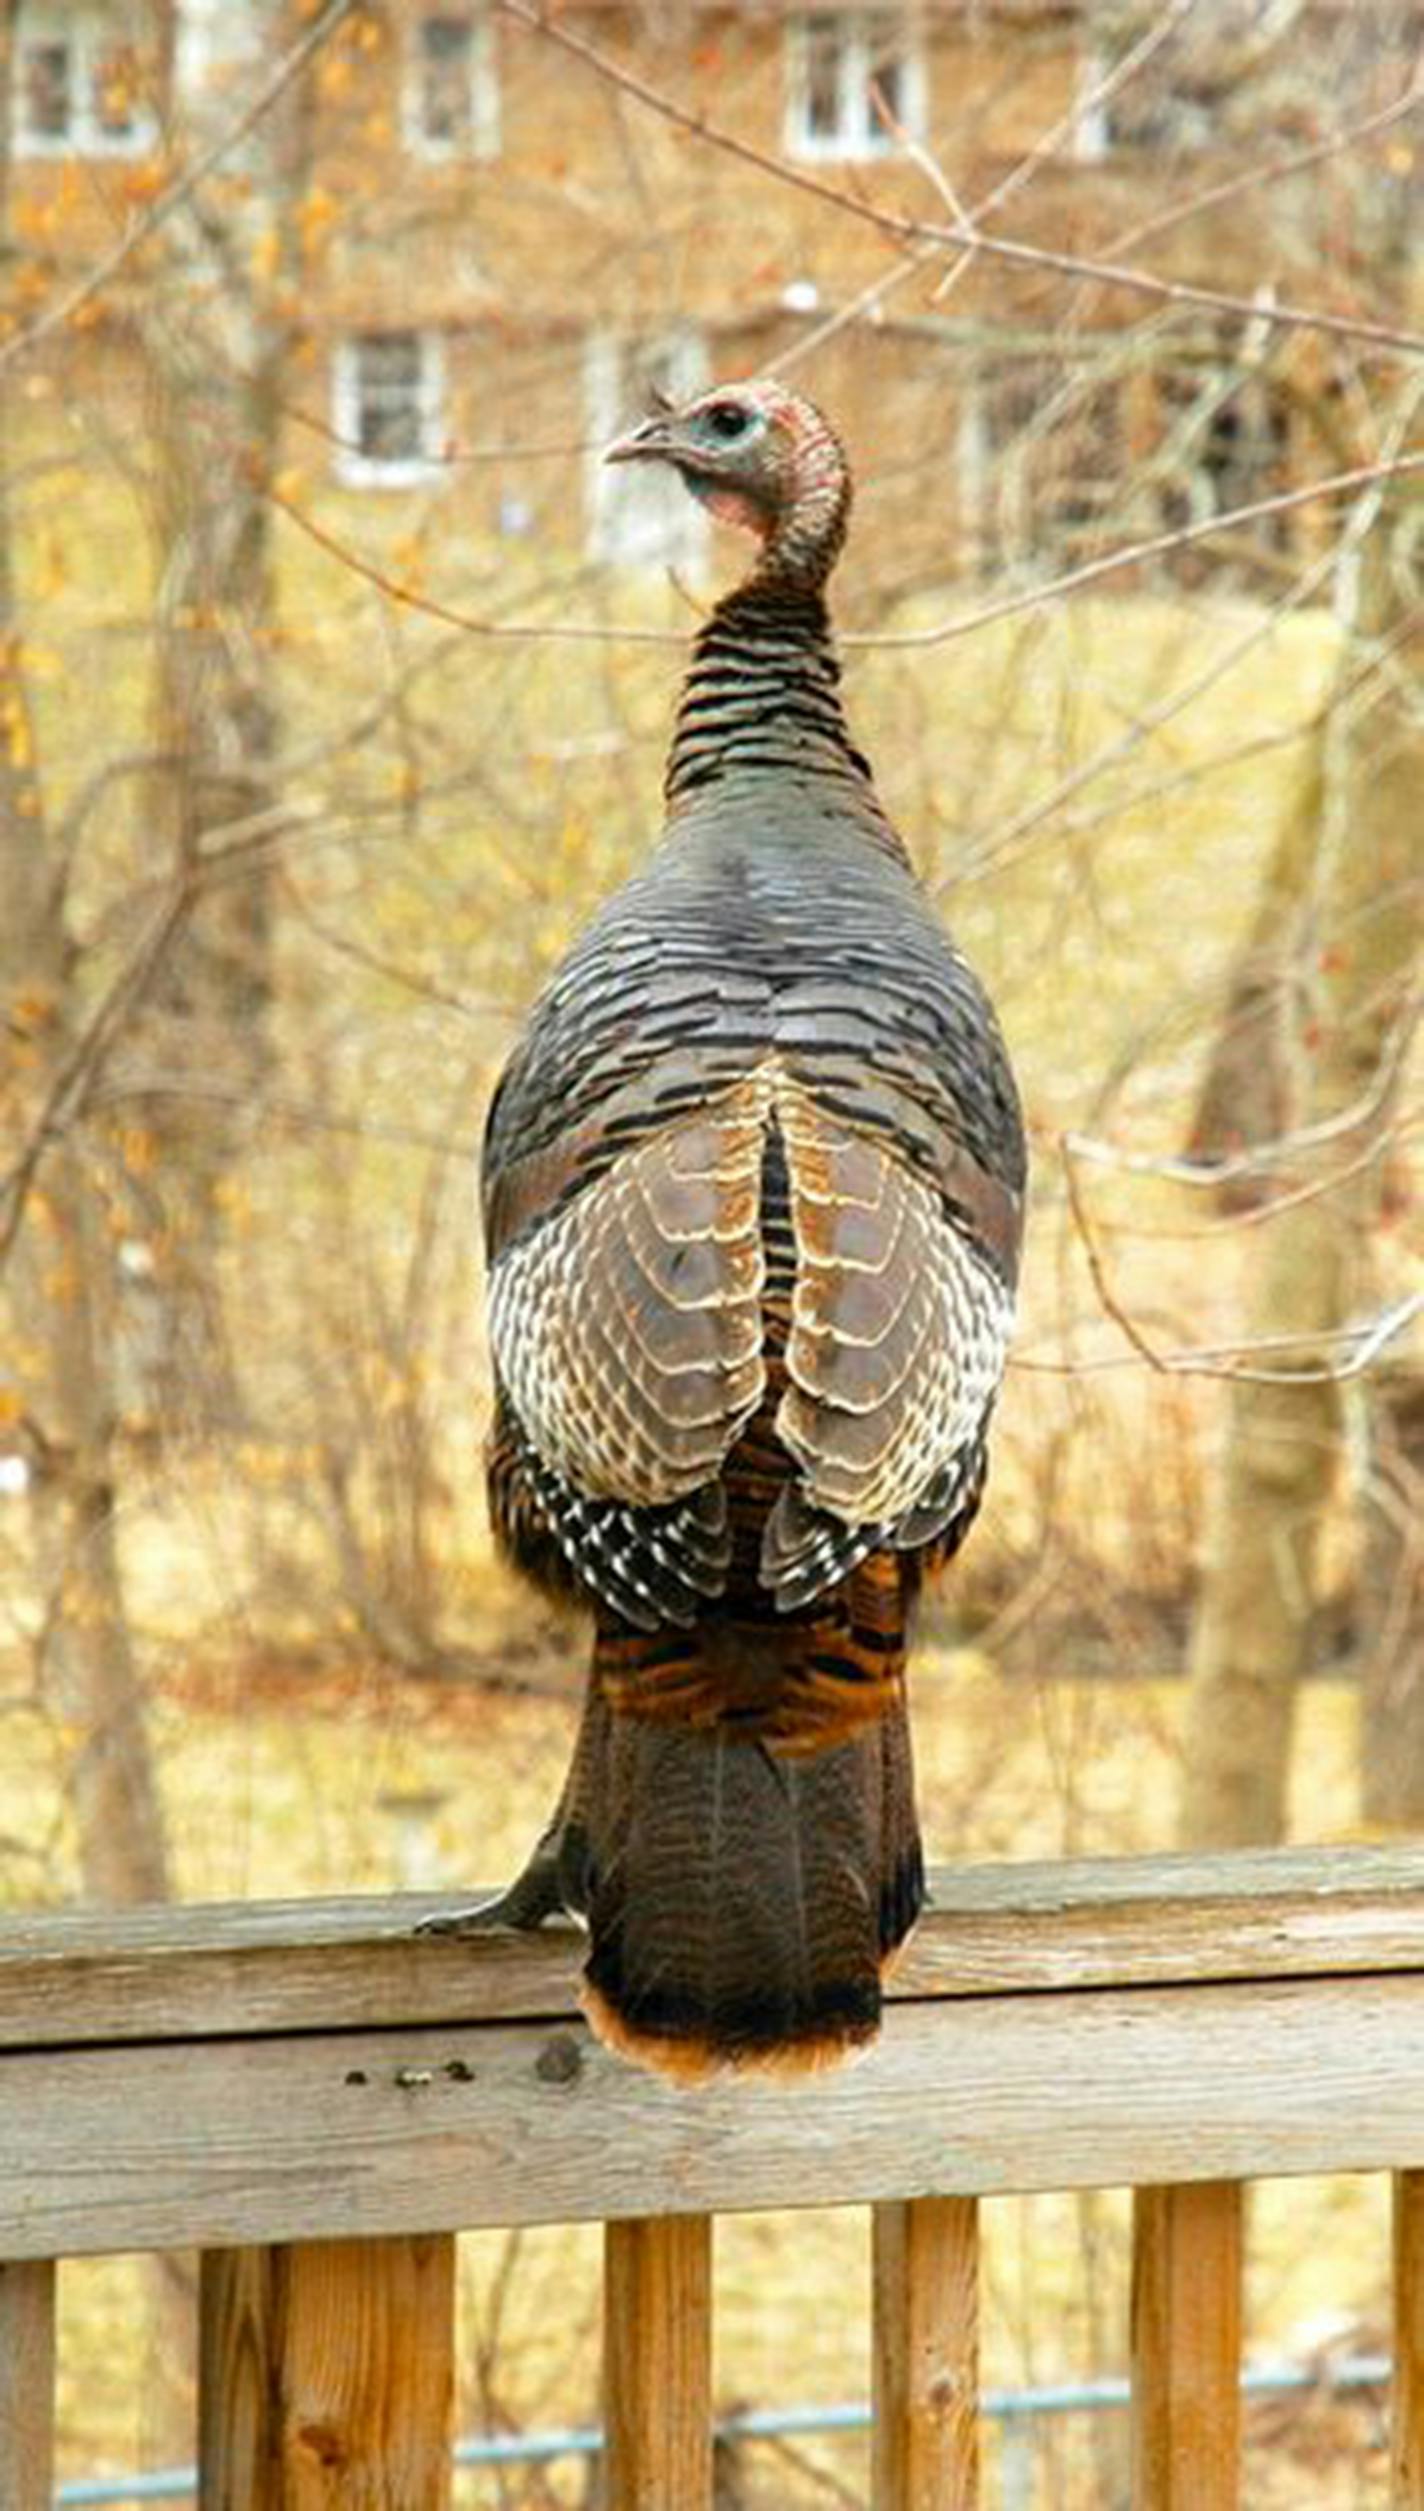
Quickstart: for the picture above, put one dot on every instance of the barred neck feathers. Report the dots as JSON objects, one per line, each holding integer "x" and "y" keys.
{"x": 763, "y": 691}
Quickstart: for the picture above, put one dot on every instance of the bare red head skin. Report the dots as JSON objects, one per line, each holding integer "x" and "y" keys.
{"x": 760, "y": 457}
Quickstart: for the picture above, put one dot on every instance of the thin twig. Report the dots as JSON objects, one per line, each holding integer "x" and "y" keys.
{"x": 1368, "y": 1339}
{"x": 1057, "y": 588}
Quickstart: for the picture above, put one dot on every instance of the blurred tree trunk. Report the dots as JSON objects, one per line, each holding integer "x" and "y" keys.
{"x": 1316, "y": 1023}
{"x": 59, "y": 1291}
{"x": 1392, "y": 1610}
{"x": 1361, "y": 910}
{"x": 1245, "y": 1095}
{"x": 218, "y": 335}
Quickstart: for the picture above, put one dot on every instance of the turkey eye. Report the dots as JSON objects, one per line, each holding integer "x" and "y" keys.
{"x": 727, "y": 421}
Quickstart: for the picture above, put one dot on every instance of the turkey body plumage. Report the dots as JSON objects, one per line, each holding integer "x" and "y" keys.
{"x": 752, "y": 1192}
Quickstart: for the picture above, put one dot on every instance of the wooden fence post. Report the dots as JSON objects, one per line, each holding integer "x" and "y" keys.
{"x": 1408, "y": 2394}
{"x": 326, "y": 2375}
{"x": 1186, "y": 2347}
{"x": 27, "y": 2386}
{"x": 926, "y": 2355}
{"x": 657, "y": 2364}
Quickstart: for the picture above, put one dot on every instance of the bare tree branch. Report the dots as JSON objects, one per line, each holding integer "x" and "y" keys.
{"x": 66, "y": 1097}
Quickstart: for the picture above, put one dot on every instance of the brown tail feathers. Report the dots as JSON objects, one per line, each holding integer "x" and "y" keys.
{"x": 743, "y": 1896}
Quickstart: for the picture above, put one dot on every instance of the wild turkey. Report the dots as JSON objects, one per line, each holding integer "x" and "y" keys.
{"x": 753, "y": 1182}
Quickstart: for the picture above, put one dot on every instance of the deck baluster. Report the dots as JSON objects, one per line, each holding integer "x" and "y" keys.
{"x": 657, "y": 2363}
{"x": 1186, "y": 2346}
{"x": 926, "y": 2355}
{"x": 27, "y": 2385}
{"x": 326, "y": 2372}
{"x": 1408, "y": 2399}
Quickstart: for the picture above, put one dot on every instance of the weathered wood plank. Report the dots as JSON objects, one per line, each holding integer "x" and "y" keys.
{"x": 1186, "y": 2347}
{"x": 657, "y": 2364}
{"x": 346, "y": 2133}
{"x": 82, "y": 1976}
{"x": 27, "y": 2385}
{"x": 326, "y": 2376}
{"x": 926, "y": 2355}
{"x": 1407, "y": 2404}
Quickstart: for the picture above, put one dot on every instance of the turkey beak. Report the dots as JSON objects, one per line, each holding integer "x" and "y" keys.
{"x": 649, "y": 441}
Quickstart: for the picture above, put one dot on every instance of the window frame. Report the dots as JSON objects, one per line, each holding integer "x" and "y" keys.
{"x": 87, "y": 37}
{"x": 358, "y": 469}
{"x": 1093, "y": 138}
{"x": 1233, "y": 424}
{"x": 858, "y": 137}
{"x": 481, "y": 77}
{"x": 640, "y": 515}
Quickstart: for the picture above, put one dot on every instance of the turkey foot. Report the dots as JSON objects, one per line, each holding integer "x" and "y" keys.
{"x": 535, "y": 1894}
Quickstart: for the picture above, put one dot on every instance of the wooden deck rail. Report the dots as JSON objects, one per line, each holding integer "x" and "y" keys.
{"x": 318, "y": 2100}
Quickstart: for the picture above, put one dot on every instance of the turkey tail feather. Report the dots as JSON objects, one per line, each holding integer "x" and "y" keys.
{"x": 742, "y": 1901}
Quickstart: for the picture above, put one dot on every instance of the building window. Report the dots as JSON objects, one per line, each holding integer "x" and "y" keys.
{"x": 389, "y": 391}
{"x": 75, "y": 87}
{"x": 639, "y": 513}
{"x": 1041, "y": 466}
{"x": 1223, "y": 441}
{"x": 1159, "y": 109}
{"x": 451, "y": 86}
{"x": 850, "y": 77}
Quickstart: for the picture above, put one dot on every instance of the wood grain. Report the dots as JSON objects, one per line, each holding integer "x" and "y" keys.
{"x": 1186, "y": 2347}
{"x": 1407, "y": 2417}
{"x": 657, "y": 2364}
{"x": 326, "y": 2376}
{"x": 926, "y": 2355}
{"x": 339, "y": 2134}
{"x": 78, "y": 1977}
{"x": 237, "y": 2344}
{"x": 27, "y": 2386}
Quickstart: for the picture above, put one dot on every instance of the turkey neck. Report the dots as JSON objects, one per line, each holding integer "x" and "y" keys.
{"x": 763, "y": 692}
